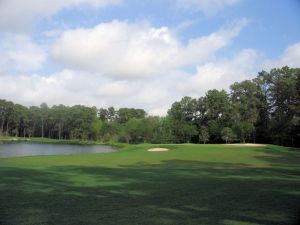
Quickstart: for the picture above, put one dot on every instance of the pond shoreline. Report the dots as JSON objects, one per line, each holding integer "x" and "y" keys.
{"x": 23, "y": 149}
{"x": 52, "y": 141}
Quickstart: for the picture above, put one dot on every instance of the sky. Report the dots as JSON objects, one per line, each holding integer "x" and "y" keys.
{"x": 142, "y": 54}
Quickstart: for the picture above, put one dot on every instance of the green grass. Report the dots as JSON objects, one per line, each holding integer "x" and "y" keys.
{"x": 190, "y": 184}
{"x": 50, "y": 140}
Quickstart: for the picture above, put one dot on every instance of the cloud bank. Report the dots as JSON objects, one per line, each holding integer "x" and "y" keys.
{"x": 20, "y": 54}
{"x": 122, "y": 50}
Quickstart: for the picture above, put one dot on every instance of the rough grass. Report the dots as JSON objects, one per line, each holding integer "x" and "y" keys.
{"x": 190, "y": 184}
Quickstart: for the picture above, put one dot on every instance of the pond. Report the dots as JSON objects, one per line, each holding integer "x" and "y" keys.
{"x": 18, "y": 149}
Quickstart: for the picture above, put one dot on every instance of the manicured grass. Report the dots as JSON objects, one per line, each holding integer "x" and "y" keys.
{"x": 190, "y": 184}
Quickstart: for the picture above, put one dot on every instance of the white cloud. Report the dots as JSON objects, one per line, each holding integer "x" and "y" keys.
{"x": 123, "y": 50}
{"x": 19, "y": 15}
{"x": 73, "y": 87}
{"x": 220, "y": 74}
{"x": 290, "y": 57}
{"x": 116, "y": 49}
{"x": 20, "y": 53}
{"x": 208, "y": 7}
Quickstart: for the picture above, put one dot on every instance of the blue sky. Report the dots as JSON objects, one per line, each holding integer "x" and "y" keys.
{"x": 274, "y": 23}
{"x": 140, "y": 53}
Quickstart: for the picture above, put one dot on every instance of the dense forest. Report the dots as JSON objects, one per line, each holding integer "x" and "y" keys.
{"x": 263, "y": 110}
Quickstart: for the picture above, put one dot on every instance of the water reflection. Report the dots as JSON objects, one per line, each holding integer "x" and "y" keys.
{"x": 15, "y": 149}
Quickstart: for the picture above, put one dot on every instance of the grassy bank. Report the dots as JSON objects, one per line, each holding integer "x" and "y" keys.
{"x": 190, "y": 184}
{"x": 50, "y": 140}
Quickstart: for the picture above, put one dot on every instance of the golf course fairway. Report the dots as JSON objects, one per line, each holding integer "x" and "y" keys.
{"x": 189, "y": 184}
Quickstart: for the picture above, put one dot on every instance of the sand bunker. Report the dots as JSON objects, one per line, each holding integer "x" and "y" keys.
{"x": 248, "y": 144}
{"x": 158, "y": 149}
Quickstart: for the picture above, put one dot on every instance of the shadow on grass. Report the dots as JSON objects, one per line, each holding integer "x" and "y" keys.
{"x": 289, "y": 158}
{"x": 173, "y": 192}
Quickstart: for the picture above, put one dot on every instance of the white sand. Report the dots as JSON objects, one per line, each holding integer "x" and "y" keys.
{"x": 248, "y": 144}
{"x": 158, "y": 149}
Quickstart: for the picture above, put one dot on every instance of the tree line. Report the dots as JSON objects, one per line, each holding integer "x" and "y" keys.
{"x": 265, "y": 109}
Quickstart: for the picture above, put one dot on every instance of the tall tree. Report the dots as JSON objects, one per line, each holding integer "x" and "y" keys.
{"x": 244, "y": 97}
{"x": 217, "y": 113}
{"x": 44, "y": 111}
{"x": 262, "y": 125}
{"x": 284, "y": 96}
{"x": 3, "y": 108}
{"x": 181, "y": 116}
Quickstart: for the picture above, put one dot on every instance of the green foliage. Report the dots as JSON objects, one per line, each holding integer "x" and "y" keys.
{"x": 217, "y": 105}
{"x": 133, "y": 131}
{"x": 110, "y": 132}
{"x": 204, "y": 135}
{"x": 244, "y": 130}
{"x": 123, "y": 115}
{"x": 180, "y": 119}
{"x": 228, "y": 135}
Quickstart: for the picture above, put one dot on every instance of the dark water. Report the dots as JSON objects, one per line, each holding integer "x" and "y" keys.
{"x": 15, "y": 149}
